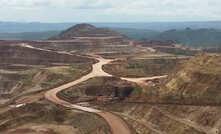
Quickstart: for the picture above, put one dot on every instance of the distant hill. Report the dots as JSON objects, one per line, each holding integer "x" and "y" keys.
{"x": 198, "y": 33}
{"x": 86, "y": 30}
{"x": 20, "y": 27}
{"x": 137, "y": 34}
{"x": 28, "y": 35}
{"x": 198, "y": 37}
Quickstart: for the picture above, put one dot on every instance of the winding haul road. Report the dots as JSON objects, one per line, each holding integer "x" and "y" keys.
{"x": 117, "y": 125}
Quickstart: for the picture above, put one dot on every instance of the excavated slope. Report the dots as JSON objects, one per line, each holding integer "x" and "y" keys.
{"x": 198, "y": 78}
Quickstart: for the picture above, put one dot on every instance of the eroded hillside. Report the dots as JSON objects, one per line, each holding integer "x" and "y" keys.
{"x": 197, "y": 79}
{"x": 46, "y": 118}
{"x": 180, "y": 105}
{"x": 25, "y": 69}
{"x": 187, "y": 101}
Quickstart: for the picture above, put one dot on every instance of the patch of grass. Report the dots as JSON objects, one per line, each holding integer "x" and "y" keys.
{"x": 134, "y": 65}
{"x": 26, "y": 78}
{"x": 55, "y": 77}
{"x": 139, "y": 89}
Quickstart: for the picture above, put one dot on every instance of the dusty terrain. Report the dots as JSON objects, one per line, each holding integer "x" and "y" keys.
{"x": 25, "y": 69}
{"x": 46, "y": 118}
{"x": 116, "y": 124}
{"x": 198, "y": 79}
{"x": 142, "y": 67}
{"x": 101, "y": 83}
{"x": 161, "y": 119}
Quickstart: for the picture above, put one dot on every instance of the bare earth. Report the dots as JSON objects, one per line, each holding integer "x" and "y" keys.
{"x": 117, "y": 125}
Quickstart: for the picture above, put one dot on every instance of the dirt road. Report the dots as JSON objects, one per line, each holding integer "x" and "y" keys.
{"x": 117, "y": 125}
{"x": 142, "y": 80}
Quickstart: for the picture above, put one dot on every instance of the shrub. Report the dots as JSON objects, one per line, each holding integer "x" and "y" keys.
{"x": 138, "y": 89}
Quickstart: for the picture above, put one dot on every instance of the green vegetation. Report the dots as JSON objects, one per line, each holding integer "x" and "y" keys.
{"x": 134, "y": 65}
{"x": 52, "y": 119}
{"x": 197, "y": 79}
{"x": 60, "y": 75}
{"x": 188, "y": 36}
{"x": 192, "y": 37}
{"x": 28, "y": 35}
{"x": 27, "y": 82}
{"x": 138, "y": 89}
{"x": 137, "y": 34}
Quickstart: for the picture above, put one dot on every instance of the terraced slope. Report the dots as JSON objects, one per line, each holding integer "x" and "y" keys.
{"x": 26, "y": 69}
{"x": 86, "y": 30}
{"x": 198, "y": 79}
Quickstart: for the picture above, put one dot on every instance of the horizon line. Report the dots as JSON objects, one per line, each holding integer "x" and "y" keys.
{"x": 113, "y": 22}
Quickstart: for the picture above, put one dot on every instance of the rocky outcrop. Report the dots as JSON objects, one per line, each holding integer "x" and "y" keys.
{"x": 198, "y": 79}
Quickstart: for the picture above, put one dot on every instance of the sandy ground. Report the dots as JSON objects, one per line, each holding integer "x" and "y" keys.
{"x": 142, "y": 80}
{"x": 32, "y": 128}
{"x": 117, "y": 125}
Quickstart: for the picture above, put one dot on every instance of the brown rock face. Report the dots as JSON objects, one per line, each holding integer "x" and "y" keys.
{"x": 197, "y": 79}
{"x": 21, "y": 55}
{"x": 155, "y": 43}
